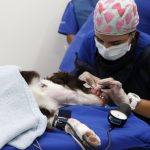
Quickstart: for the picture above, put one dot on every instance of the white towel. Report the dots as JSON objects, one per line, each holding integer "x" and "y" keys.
{"x": 21, "y": 121}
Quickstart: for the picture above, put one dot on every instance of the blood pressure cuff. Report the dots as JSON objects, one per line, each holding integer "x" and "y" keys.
{"x": 61, "y": 119}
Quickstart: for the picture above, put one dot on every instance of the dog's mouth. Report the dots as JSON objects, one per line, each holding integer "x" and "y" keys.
{"x": 91, "y": 90}
{"x": 97, "y": 93}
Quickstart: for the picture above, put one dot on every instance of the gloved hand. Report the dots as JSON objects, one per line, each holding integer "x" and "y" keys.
{"x": 113, "y": 92}
{"x": 91, "y": 82}
{"x": 90, "y": 79}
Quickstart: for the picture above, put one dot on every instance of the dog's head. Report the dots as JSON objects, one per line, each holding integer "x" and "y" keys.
{"x": 69, "y": 80}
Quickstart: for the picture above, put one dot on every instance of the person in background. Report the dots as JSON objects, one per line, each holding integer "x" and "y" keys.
{"x": 75, "y": 15}
{"x": 114, "y": 48}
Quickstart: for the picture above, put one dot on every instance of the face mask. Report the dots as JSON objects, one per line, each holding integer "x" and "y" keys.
{"x": 113, "y": 52}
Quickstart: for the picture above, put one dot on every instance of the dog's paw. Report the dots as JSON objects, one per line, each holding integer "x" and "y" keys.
{"x": 91, "y": 139}
{"x": 88, "y": 136}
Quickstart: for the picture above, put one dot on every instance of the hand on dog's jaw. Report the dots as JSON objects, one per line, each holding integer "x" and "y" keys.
{"x": 98, "y": 93}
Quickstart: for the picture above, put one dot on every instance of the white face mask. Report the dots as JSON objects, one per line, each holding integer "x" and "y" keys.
{"x": 113, "y": 52}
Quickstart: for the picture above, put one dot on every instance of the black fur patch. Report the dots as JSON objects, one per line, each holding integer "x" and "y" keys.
{"x": 71, "y": 81}
{"x": 47, "y": 112}
{"x": 29, "y": 76}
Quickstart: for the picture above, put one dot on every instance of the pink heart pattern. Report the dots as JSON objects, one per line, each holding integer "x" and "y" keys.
{"x": 128, "y": 6}
{"x": 128, "y": 18}
{"x": 108, "y": 16}
{"x": 134, "y": 22}
{"x": 119, "y": 25}
{"x": 99, "y": 21}
{"x": 120, "y": 10}
{"x": 107, "y": 29}
{"x": 101, "y": 8}
{"x": 115, "y": 17}
{"x": 134, "y": 10}
{"x": 126, "y": 30}
{"x": 109, "y": 1}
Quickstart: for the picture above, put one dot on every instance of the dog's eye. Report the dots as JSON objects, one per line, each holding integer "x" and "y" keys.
{"x": 43, "y": 85}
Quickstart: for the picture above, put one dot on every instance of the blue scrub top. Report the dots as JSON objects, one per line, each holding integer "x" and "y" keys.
{"x": 67, "y": 64}
{"x": 75, "y": 15}
{"x": 144, "y": 13}
{"x": 68, "y": 23}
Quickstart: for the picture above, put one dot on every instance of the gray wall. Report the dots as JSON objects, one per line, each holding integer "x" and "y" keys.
{"x": 28, "y": 34}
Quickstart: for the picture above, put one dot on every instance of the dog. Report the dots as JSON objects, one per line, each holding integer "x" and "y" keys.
{"x": 59, "y": 90}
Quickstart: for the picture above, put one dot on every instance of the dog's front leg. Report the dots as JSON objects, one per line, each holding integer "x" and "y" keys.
{"x": 85, "y": 134}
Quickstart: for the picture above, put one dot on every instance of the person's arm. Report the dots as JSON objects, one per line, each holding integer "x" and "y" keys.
{"x": 115, "y": 93}
{"x": 68, "y": 25}
{"x": 143, "y": 108}
{"x": 69, "y": 38}
{"x": 118, "y": 96}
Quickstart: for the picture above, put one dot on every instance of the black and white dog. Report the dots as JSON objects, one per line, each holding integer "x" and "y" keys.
{"x": 59, "y": 90}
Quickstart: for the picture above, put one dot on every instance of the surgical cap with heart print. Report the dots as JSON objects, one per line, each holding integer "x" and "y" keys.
{"x": 115, "y": 17}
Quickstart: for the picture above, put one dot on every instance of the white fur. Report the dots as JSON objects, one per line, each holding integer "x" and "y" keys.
{"x": 60, "y": 95}
{"x": 52, "y": 96}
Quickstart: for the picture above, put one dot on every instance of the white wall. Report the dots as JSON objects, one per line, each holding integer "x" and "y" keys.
{"x": 28, "y": 34}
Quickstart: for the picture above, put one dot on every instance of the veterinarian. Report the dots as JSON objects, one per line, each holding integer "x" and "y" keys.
{"x": 115, "y": 49}
{"x": 75, "y": 15}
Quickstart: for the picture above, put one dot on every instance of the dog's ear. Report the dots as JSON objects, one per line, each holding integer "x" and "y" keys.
{"x": 58, "y": 81}
{"x": 29, "y": 75}
{"x": 69, "y": 80}
{"x": 59, "y": 78}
